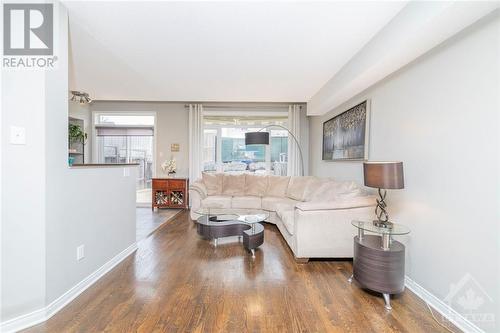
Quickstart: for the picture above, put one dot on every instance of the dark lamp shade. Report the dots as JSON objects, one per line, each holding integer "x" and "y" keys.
{"x": 257, "y": 138}
{"x": 385, "y": 175}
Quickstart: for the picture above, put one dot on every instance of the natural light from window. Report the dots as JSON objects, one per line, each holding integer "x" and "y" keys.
{"x": 225, "y": 150}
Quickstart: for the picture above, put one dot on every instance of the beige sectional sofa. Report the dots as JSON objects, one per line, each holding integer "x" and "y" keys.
{"x": 313, "y": 214}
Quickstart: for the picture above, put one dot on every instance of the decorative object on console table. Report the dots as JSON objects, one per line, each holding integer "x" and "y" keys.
{"x": 383, "y": 176}
{"x": 170, "y": 167}
{"x": 345, "y": 136}
{"x": 170, "y": 193}
{"x": 379, "y": 261}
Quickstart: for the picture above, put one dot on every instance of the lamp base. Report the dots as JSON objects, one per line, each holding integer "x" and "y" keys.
{"x": 382, "y": 224}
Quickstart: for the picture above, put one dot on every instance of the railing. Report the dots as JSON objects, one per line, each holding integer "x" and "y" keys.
{"x": 279, "y": 168}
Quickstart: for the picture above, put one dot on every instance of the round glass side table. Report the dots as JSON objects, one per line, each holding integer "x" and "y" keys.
{"x": 379, "y": 260}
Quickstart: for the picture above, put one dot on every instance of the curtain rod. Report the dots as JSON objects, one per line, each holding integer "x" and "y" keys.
{"x": 244, "y": 106}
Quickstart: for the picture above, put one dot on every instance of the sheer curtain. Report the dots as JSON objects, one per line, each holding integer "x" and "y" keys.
{"x": 195, "y": 141}
{"x": 294, "y": 167}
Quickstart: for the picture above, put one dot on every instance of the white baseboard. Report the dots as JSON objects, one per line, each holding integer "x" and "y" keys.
{"x": 24, "y": 321}
{"x": 444, "y": 309}
{"x": 41, "y": 315}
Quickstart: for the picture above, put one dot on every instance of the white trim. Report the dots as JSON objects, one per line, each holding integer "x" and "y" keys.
{"x": 444, "y": 309}
{"x": 43, "y": 314}
{"x": 71, "y": 294}
{"x": 27, "y": 320}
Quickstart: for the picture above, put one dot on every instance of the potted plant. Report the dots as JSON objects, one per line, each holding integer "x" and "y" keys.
{"x": 76, "y": 134}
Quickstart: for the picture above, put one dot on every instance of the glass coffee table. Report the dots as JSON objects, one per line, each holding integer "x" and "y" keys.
{"x": 215, "y": 223}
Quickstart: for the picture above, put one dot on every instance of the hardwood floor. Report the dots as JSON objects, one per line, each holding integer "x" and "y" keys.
{"x": 177, "y": 282}
{"x": 147, "y": 220}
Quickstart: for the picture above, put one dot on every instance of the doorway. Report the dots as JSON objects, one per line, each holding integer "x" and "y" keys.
{"x": 128, "y": 138}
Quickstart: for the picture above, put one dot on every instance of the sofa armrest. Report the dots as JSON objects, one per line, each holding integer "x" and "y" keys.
{"x": 200, "y": 188}
{"x": 197, "y": 192}
{"x": 327, "y": 233}
{"x": 357, "y": 202}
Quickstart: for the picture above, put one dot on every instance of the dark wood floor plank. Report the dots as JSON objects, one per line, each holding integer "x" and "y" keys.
{"x": 178, "y": 282}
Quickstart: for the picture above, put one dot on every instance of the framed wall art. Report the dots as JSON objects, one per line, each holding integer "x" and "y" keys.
{"x": 345, "y": 136}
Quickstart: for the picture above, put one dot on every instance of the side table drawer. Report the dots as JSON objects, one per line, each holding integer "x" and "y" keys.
{"x": 178, "y": 184}
{"x": 160, "y": 184}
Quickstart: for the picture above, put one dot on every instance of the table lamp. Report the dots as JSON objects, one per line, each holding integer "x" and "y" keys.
{"x": 383, "y": 176}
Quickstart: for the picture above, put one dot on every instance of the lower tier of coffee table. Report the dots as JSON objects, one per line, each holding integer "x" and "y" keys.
{"x": 253, "y": 234}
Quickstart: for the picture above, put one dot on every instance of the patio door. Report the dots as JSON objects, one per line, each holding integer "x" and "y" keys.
{"x": 123, "y": 138}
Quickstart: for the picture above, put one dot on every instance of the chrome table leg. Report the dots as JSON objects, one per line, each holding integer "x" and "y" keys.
{"x": 387, "y": 300}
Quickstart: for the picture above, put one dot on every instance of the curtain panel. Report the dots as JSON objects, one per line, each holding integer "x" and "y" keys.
{"x": 294, "y": 167}
{"x": 195, "y": 141}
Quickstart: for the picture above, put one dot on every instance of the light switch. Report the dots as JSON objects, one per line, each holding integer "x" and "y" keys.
{"x": 126, "y": 172}
{"x": 17, "y": 135}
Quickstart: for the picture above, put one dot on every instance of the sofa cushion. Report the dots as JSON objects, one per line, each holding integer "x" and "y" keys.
{"x": 271, "y": 203}
{"x": 255, "y": 185}
{"x": 249, "y": 202}
{"x": 300, "y": 187}
{"x": 333, "y": 190}
{"x": 277, "y": 186}
{"x": 216, "y": 201}
{"x": 287, "y": 217}
{"x": 233, "y": 184}
{"x": 213, "y": 182}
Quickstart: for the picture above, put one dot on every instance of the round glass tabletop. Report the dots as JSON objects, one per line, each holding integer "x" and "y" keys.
{"x": 245, "y": 215}
{"x": 397, "y": 229}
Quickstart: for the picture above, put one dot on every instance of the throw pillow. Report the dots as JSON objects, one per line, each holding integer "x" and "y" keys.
{"x": 297, "y": 187}
{"x": 213, "y": 182}
{"x": 277, "y": 185}
{"x": 256, "y": 185}
{"x": 233, "y": 185}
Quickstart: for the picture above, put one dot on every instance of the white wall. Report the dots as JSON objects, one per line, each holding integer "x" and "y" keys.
{"x": 23, "y": 194}
{"x": 105, "y": 229}
{"x": 46, "y": 212}
{"x": 171, "y": 127}
{"x": 440, "y": 116}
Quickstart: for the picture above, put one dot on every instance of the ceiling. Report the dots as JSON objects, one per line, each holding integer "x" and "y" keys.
{"x": 224, "y": 51}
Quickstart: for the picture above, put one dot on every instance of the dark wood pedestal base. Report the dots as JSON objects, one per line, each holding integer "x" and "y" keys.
{"x": 378, "y": 269}
{"x": 253, "y": 234}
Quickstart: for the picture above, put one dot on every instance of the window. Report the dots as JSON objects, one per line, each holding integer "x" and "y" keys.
{"x": 128, "y": 149}
{"x": 121, "y": 138}
{"x": 225, "y": 149}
